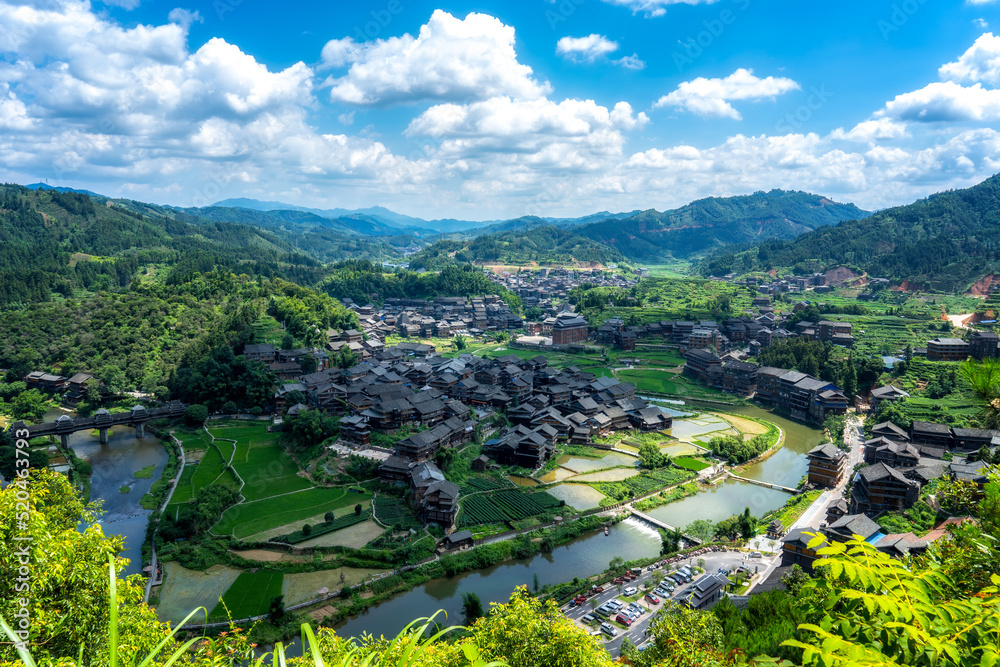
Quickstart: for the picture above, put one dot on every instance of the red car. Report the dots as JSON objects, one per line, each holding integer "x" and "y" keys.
{"x": 624, "y": 620}
{"x": 652, "y": 598}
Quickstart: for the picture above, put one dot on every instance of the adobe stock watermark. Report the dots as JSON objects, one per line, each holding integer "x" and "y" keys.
{"x": 564, "y": 9}
{"x": 901, "y": 13}
{"x": 693, "y": 47}
{"x": 21, "y": 623}
{"x": 794, "y": 120}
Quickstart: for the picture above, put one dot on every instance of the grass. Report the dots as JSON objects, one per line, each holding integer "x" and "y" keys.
{"x": 679, "y": 493}
{"x": 124, "y": 489}
{"x": 689, "y": 463}
{"x": 648, "y": 381}
{"x": 145, "y": 473}
{"x": 258, "y": 516}
{"x": 792, "y": 510}
{"x": 393, "y": 511}
{"x": 324, "y": 528}
{"x": 249, "y": 595}
{"x": 267, "y": 330}
{"x": 261, "y": 461}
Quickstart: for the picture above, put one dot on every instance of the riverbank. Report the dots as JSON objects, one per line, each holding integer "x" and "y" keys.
{"x": 349, "y": 602}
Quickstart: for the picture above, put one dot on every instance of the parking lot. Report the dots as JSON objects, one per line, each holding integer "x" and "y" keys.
{"x": 636, "y": 633}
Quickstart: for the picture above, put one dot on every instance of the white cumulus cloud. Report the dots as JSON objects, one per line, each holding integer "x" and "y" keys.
{"x": 981, "y": 62}
{"x": 450, "y": 59}
{"x": 873, "y": 130}
{"x": 711, "y": 97}
{"x": 945, "y": 101}
{"x": 588, "y": 48}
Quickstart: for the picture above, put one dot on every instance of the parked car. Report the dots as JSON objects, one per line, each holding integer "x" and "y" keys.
{"x": 630, "y": 590}
{"x": 597, "y": 589}
{"x": 588, "y": 618}
{"x": 661, "y": 592}
{"x": 624, "y": 619}
{"x": 636, "y": 571}
{"x": 652, "y": 598}
{"x": 609, "y": 629}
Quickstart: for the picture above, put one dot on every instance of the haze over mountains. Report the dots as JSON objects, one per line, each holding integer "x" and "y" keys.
{"x": 641, "y": 236}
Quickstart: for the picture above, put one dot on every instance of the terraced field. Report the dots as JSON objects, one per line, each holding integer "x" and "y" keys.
{"x": 257, "y": 516}
{"x": 249, "y": 595}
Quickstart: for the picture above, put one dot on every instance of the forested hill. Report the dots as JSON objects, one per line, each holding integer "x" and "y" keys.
{"x": 948, "y": 240}
{"x": 545, "y": 245}
{"x": 62, "y": 242}
{"x": 709, "y": 223}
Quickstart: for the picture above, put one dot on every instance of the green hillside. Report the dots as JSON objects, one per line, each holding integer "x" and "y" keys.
{"x": 61, "y": 243}
{"x": 706, "y": 224}
{"x": 944, "y": 242}
{"x": 545, "y": 245}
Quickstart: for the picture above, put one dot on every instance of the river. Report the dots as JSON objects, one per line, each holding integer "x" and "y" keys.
{"x": 582, "y": 557}
{"x": 630, "y": 539}
{"x": 786, "y": 467}
{"x": 114, "y": 466}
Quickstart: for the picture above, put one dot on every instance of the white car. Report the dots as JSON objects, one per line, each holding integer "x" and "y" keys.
{"x": 631, "y": 590}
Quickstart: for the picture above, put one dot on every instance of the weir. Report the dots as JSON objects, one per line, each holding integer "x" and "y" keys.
{"x": 659, "y": 524}
{"x": 768, "y": 485}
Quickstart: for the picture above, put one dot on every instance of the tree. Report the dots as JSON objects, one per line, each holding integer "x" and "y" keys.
{"x": 958, "y": 495}
{"x": 460, "y": 343}
{"x": 195, "y": 415}
{"x": 703, "y": 529}
{"x": 652, "y": 457}
{"x": 884, "y": 611}
{"x": 308, "y": 364}
{"x": 357, "y": 509}
{"x": 670, "y": 541}
{"x": 529, "y": 633}
{"x": 683, "y": 637}
{"x": 747, "y": 524}
{"x": 288, "y": 341}
{"x": 984, "y": 454}
{"x": 92, "y": 392}
{"x": 308, "y": 429}
{"x": 30, "y": 405}
{"x": 37, "y": 458}
{"x": 346, "y": 358}
{"x": 616, "y": 563}
{"x": 984, "y": 378}
{"x": 276, "y": 612}
{"x": 328, "y": 517}
{"x": 69, "y": 604}
{"x": 307, "y": 529}
{"x": 472, "y": 606}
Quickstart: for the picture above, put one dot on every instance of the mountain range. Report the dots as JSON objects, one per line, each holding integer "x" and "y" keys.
{"x": 648, "y": 236}
{"x": 944, "y": 242}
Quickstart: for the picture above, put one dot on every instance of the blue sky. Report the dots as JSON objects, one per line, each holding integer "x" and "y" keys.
{"x": 489, "y": 110}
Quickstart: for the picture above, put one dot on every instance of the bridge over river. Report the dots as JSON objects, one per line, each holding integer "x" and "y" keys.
{"x": 101, "y": 420}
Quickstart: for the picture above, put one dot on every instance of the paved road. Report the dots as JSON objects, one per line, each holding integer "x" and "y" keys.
{"x": 637, "y": 633}
{"x": 816, "y": 514}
